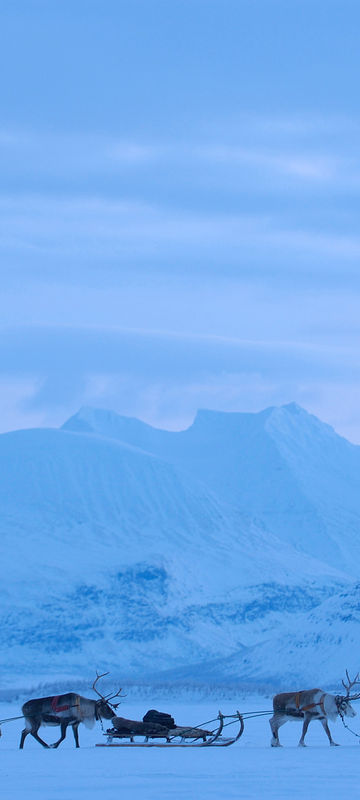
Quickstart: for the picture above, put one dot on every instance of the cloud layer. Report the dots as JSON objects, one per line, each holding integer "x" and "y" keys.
{"x": 179, "y": 208}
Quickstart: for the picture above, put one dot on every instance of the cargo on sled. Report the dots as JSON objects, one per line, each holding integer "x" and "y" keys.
{"x": 158, "y": 729}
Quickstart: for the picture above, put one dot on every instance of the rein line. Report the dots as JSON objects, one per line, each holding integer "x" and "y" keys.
{"x": 341, "y": 715}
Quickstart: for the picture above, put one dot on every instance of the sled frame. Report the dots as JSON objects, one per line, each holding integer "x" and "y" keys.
{"x": 215, "y": 740}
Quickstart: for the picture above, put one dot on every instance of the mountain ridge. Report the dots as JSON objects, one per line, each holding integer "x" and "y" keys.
{"x": 271, "y": 464}
{"x": 149, "y": 550}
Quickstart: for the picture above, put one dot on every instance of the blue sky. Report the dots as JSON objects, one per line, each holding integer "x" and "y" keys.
{"x": 179, "y": 203}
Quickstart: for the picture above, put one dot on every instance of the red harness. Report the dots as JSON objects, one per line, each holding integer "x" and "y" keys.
{"x": 54, "y": 705}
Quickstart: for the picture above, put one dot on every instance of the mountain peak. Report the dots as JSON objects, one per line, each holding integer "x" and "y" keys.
{"x": 294, "y": 421}
{"x": 294, "y": 408}
{"x": 100, "y": 420}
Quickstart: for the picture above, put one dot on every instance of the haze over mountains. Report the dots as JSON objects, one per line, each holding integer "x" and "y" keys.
{"x": 226, "y": 552}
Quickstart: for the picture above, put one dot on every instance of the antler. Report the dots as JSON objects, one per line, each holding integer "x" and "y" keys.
{"x": 107, "y": 697}
{"x": 95, "y": 682}
{"x": 349, "y": 686}
{"x": 111, "y": 697}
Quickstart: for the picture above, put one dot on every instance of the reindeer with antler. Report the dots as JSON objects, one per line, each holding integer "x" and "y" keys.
{"x": 67, "y": 709}
{"x": 312, "y": 704}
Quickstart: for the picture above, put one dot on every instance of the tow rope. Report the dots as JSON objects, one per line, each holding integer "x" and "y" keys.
{"x": 347, "y": 727}
{"x": 10, "y": 719}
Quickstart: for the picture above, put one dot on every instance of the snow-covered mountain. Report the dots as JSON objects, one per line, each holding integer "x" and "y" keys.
{"x": 282, "y": 467}
{"x": 146, "y": 552}
{"x": 310, "y": 647}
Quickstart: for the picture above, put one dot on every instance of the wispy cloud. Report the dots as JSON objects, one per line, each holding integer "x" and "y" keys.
{"x": 162, "y": 377}
{"x": 135, "y": 153}
{"x": 292, "y": 124}
{"x": 16, "y": 393}
{"x": 304, "y": 165}
{"x": 77, "y": 228}
{"x": 291, "y": 146}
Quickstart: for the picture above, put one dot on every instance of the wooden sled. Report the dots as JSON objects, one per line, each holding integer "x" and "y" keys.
{"x": 179, "y": 736}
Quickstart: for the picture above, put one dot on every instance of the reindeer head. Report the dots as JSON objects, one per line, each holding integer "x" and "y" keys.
{"x": 104, "y": 707}
{"x": 343, "y": 704}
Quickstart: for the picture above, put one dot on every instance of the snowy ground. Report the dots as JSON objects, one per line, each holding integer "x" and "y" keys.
{"x": 249, "y": 769}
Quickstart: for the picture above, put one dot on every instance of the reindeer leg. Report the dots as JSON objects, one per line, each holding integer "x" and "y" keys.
{"x": 63, "y": 726}
{"x": 76, "y": 733}
{"x": 306, "y": 724}
{"x": 275, "y": 723}
{"x": 328, "y": 733}
{"x": 34, "y": 733}
{"x": 24, "y": 734}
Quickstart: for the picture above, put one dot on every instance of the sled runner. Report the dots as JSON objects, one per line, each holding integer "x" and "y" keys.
{"x": 160, "y": 730}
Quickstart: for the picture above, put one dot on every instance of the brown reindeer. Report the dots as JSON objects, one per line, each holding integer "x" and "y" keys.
{"x": 64, "y": 710}
{"x": 311, "y": 704}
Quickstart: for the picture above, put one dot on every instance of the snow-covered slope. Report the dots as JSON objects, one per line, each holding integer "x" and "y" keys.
{"x": 312, "y": 647}
{"x": 111, "y": 553}
{"x": 82, "y": 504}
{"x": 282, "y": 467}
{"x": 148, "y": 552}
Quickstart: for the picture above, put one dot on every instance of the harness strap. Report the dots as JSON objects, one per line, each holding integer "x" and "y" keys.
{"x": 54, "y": 705}
{"x": 310, "y": 705}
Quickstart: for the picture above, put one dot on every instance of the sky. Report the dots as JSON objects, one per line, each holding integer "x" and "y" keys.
{"x": 179, "y": 207}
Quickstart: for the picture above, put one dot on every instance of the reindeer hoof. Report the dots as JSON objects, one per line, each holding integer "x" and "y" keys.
{"x": 275, "y": 744}
{"x": 334, "y": 744}
{"x": 301, "y": 744}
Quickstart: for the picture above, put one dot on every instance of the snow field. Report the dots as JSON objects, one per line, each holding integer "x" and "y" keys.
{"x": 249, "y": 769}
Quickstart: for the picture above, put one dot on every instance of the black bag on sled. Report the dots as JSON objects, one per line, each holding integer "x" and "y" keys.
{"x": 160, "y": 718}
{"x": 131, "y": 727}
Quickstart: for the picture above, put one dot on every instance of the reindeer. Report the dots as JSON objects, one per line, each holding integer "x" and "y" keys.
{"x": 312, "y": 704}
{"x": 67, "y": 709}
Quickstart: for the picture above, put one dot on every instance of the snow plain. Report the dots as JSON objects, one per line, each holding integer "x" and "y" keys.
{"x": 249, "y": 769}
